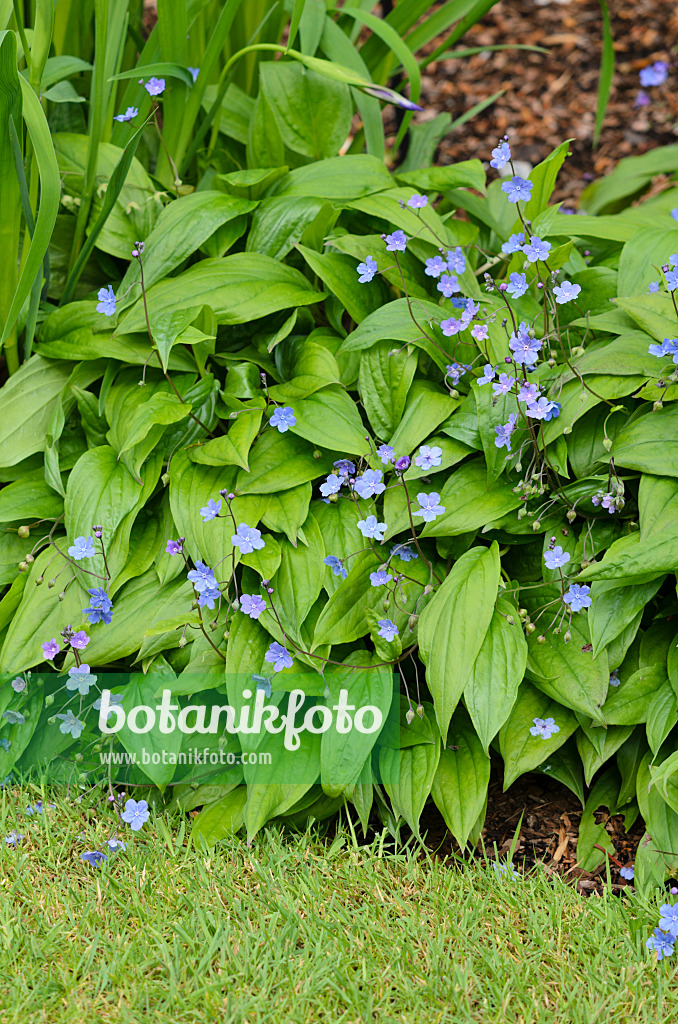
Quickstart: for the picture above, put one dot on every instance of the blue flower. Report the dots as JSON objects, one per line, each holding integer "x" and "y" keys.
{"x": 489, "y": 373}
{"x": 578, "y": 597}
{"x": 517, "y": 188}
{"x": 455, "y": 370}
{"x": 515, "y": 243}
{"x": 113, "y": 700}
{"x": 211, "y": 510}
{"x": 538, "y": 410}
{"x": 544, "y": 728}
{"x": 5, "y": 743}
{"x": 566, "y": 292}
{"x": 278, "y": 656}
{"x": 503, "y": 870}
{"x": 387, "y": 629}
{"x": 202, "y": 577}
{"x": 283, "y": 419}
{"x": 501, "y": 155}
{"x": 107, "y": 301}
{"x": 14, "y": 837}
{"x": 417, "y": 202}
{"x": 82, "y": 547}
{"x": 429, "y": 506}
{"x": 19, "y": 684}
{"x": 50, "y": 649}
{"x": 556, "y": 558}
{"x": 14, "y": 717}
{"x": 671, "y": 277}
{"x": 668, "y": 918}
{"x": 524, "y": 347}
{"x": 206, "y": 598}
{"x": 154, "y": 86}
{"x": 369, "y": 484}
{"x": 332, "y": 485}
{"x": 336, "y": 565}
{"x": 553, "y": 411}
{"x": 528, "y": 392}
{"x": 403, "y": 551}
{"x": 174, "y": 547}
{"x": 504, "y": 431}
{"x": 456, "y": 261}
{"x": 452, "y": 326}
{"x": 435, "y": 266}
{"x": 480, "y": 332}
{"x": 116, "y": 844}
{"x": 428, "y": 458}
{"x": 536, "y": 249}
{"x": 390, "y": 96}
{"x": 194, "y": 73}
{"x": 247, "y": 538}
{"x": 653, "y": 74}
{"x": 627, "y": 873}
{"x": 471, "y": 309}
{"x": 366, "y": 270}
{"x": 136, "y": 814}
{"x": 70, "y": 724}
{"x": 345, "y": 467}
{"x": 252, "y": 605}
{"x": 100, "y": 606}
{"x": 380, "y": 578}
{"x": 80, "y": 679}
{"x": 386, "y": 453}
{"x": 129, "y": 114}
{"x": 371, "y": 528}
{"x": 517, "y": 285}
{"x": 660, "y": 943}
{"x": 668, "y": 347}
{"x": 448, "y": 285}
{"x": 397, "y": 242}
{"x": 503, "y": 385}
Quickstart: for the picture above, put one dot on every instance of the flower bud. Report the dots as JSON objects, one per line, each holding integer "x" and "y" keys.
{"x": 541, "y": 639}
{"x": 49, "y": 700}
{"x": 23, "y": 566}
{"x": 29, "y": 559}
{"x": 411, "y": 622}
{"x": 420, "y": 710}
{"x": 52, "y": 720}
{"x": 567, "y": 637}
{"x": 536, "y": 525}
{"x": 24, "y": 531}
{"x": 607, "y": 443}
{"x": 409, "y": 717}
{"x": 530, "y": 627}
{"x": 571, "y": 515}
{"x": 61, "y": 595}
{"x": 657, "y": 406}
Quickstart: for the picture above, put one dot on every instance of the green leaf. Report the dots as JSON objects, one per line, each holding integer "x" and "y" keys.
{"x": 279, "y": 462}
{"x": 566, "y": 673}
{"x": 543, "y": 178}
{"x": 662, "y": 715}
{"x": 142, "y": 691}
{"x": 233, "y": 448}
{"x": 596, "y": 746}
{"x": 408, "y": 776}
{"x": 453, "y": 625}
{"x": 287, "y": 512}
{"x": 385, "y": 379}
{"x": 604, "y": 793}
{"x": 221, "y": 819}
{"x": 330, "y": 418}
{"x": 523, "y": 752}
{"x": 280, "y": 222}
{"x": 615, "y": 607}
{"x": 29, "y": 499}
{"x": 427, "y": 407}
{"x": 340, "y": 178}
{"x": 461, "y": 780}
{"x": 27, "y": 401}
{"x": 470, "y": 503}
{"x": 648, "y": 444}
{"x": 343, "y": 617}
{"x": 635, "y": 559}
{"x": 629, "y": 703}
{"x": 338, "y": 273}
{"x": 313, "y": 112}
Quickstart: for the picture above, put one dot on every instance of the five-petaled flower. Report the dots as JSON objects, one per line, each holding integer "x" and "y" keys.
{"x": 417, "y": 202}
{"x": 517, "y": 189}
{"x": 136, "y": 814}
{"x": 50, "y": 649}
{"x": 627, "y": 873}
{"x": 387, "y": 629}
{"x": 429, "y": 506}
{"x": 403, "y": 551}
{"x": 371, "y": 528}
{"x": 79, "y": 640}
{"x": 283, "y": 418}
{"x": 278, "y": 656}
{"x": 489, "y": 373}
{"x": 556, "y": 558}
{"x": 448, "y": 285}
{"x": 107, "y": 301}
{"x": 380, "y": 578}
{"x": 456, "y": 261}
{"x": 514, "y": 244}
{"x": 661, "y": 943}
{"x": 247, "y": 538}
{"x": 536, "y": 249}
{"x": 429, "y": 457}
{"x": 435, "y": 266}
{"x": 668, "y": 918}
{"x": 332, "y": 485}
{"x": 366, "y": 270}
{"x": 517, "y": 285}
{"x": 578, "y": 597}
{"x": 252, "y": 605}
{"x": 386, "y": 453}
{"x": 129, "y": 114}
{"x": 174, "y": 547}
{"x": 566, "y": 292}
{"x": 95, "y": 858}
{"x": 369, "y": 484}
{"x": 525, "y": 348}
{"x": 13, "y": 717}
{"x": 82, "y": 547}
{"x": 653, "y": 74}
{"x": 211, "y": 510}
{"x": 504, "y": 431}
{"x": 336, "y": 565}
{"x": 503, "y": 385}
{"x": 70, "y": 724}
{"x": 545, "y": 728}
{"x": 154, "y": 86}
{"x": 397, "y": 242}
{"x": 202, "y": 577}
{"x": 80, "y": 679}
{"x": 501, "y": 155}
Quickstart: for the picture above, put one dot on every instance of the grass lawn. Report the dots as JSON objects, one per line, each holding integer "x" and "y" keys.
{"x": 297, "y": 929}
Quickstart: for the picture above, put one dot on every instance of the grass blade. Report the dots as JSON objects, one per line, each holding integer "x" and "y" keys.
{"x": 606, "y": 72}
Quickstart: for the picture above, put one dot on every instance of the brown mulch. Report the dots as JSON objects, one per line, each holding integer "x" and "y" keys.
{"x": 552, "y": 97}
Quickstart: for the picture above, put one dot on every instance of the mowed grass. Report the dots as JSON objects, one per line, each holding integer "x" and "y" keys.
{"x": 298, "y": 928}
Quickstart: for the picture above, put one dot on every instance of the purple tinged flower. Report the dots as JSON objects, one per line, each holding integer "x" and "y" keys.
{"x": 504, "y": 431}
{"x": 19, "y": 684}
{"x": 387, "y": 629}
{"x": 202, "y": 577}
{"x": 517, "y": 285}
{"x": 578, "y": 597}
{"x": 252, "y": 605}
{"x": 380, "y": 578}
{"x": 553, "y": 411}
{"x": 332, "y": 485}
{"x": 397, "y": 242}
{"x": 95, "y": 858}
{"x": 82, "y": 547}
{"x": 154, "y": 86}
{"x": 80, "y": 679}
{"x": 116, "y": 844}
{"x": 451, "y": 326}
{"x": 113, "y": 700}
{"x": 371, "y": 528}
{"x": 544, "y": 728}
{"x": 344, "y": 467}
{"x": 448, "y": 285}
{"x": 100, "y": 607}
{"x": 79, "y": 640}
{"x": 366, "y": 270}
{"x": 247, "y": 538}
{"x": 515, "y": 243}
{"x": 136, "y": 814}
{"x": 536, "y": 249}
{"x": 671, "y": 278}
{"x": 668, "y": 918}
{"x": 206, "y": 598}
{"x": 503, "y": 870}
{"x": 107, "y": 301}
{"x": 429, "y": 507}
{"x": 402, "y": 464}
{"x": 525, "y": 348}
{"x": 13, "y": 717}
{"x": 70, "y": 724}
{"x": 517, "y": 189}
{"x": 194, "y": 72}
{"x": 556, "y": 558}
{"x": 471, "y": 309}
{"x": 403, "y": 551}
{"x": 661, "y": 943}
{"x": 538, "y": 410}
{"x": 668, "y": 347}
{"x": 417, "y": 202}
{"x": 501, "y": 155}
{"x": 653, "y": 74}
{"x": 129, "y": 115}
{"x": 489, "y": 373}
{"x": 14, "y": 837}
{"x": 456, "y": 260}
{"x": 456, "y": 370}
{"x": 369, "y": 484}
{"x": 174, "y": 547}
{"x": 641, "y": 100}
{"x": 50, "y": 649}
{"x": 528, "y": 392}
{"x": 627, "y": 873}
{"x": 336, "y": 565}
{"x": 566, "y": 292}
{"x": 283, "y": 419}
{"x": 480, "y": 332}
{"x": 211, "y": 510}
{"x": 390, "y": 96}
{"x": 428, "y": 457}
{"x": 435, "y": 266}
{"x": 610, "y": 503}
{"x": 386, "y": 453}
{"x": 278, "y": 656}
{"x": 504, "y": 384}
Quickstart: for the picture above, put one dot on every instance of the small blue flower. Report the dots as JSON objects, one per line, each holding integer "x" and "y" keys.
{"x": 448, "y": 285}
{"x": 50, "y": 649}
{"x": 345, "y": 467}
{"x": 174, "y": 547}
{"x": 428, "y": 457}
{"x": 369, "y": 484}
{"x": 403, "y": 551}
{"x": 653, "y": 286}
{"x": 668, "y": 347}
{"x": 538, "y": 410}
{"x": 371, "y": 528}
{"x": 80, "y": 679}
{"x": 653, "y": 74}
{"x": 517, "y": 285}
{"x": 452, "y": 326}
{"x": 5, "y": 744}
{"x": 417, "y": 202}
{"x": 480, "y": 332}
{"x": 504, "y": 431}
{"x": 455, "y": 370}
{"x": 136, "y": 814}
{"x": 13, "y": 717}
{"x": 82, "y": 547}
{"x": 154, "y": 86}
{"x": 536, "y": 249}
{"x": 194, "y": 73}
{"x": 661, "y": 943}
{"x": 366, "y": 270}
{"x": 113, "y": 700}
{"x": 211, "y": 510}
{"x": 397, "y": 242}
{"x": 247, "y": 538}
{"x": 503, "y": 870}
{"x": 116, "y": 844}
{"x": 553, "y": 411}
{"x": 456, "y": 260}
{"x": 380, "y": 578}
{"x": 100, "y": 606}
{"x": 429, "y": 507}
{"x": 386, "y": 453}
{"x": 627, "y": 873}
{"x": 524, "y": 347}
{"x": 252, "y": 605}
{"x": 202, "y": 577}
{"x": 279, "y": 657}
{"x": 70, "y": 724}
{"x": 517, "y": 189}
{"x": 435, "y": 266}
{"x": 515, "y": 243}
{"x": 566, "y": 292}
{"x": 283, "y": 419}
{"x": 14, "y": 837}
{"x": 503, "y": 385}
{"x": 489, "y": 373}
{"x": 107, "y": 301}
{"x": 387, "y": 629}
{"x": 336, "y": 565}
{"x": 668, "y": 918}
{"x": 528, "y": 392}
{"x": 501, "y": 155}
{"x": 545, "y": 728}
{"x": 332, "y": 485}
{"x": 671, "y": 278}
{"x": 129, "y": 115}
{"x": 206, "y": 598}
{"x": 578, "y": 597}
{"x": 556, "y": 558}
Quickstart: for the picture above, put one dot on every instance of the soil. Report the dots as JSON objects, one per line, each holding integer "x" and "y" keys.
{"x": 551, "y": 97}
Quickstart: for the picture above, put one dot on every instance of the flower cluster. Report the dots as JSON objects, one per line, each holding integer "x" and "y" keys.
{"x": 663, "y": 939}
